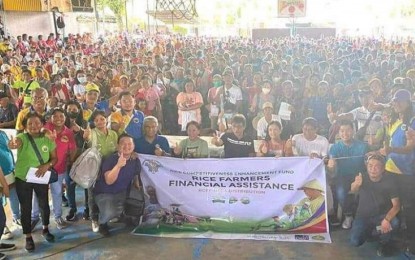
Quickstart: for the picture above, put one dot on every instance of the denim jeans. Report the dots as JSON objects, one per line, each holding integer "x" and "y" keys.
{"x": 2, "y": 219}
{"x": 56, "y": 193}
{"x": 364, "y": 227}
{"x": 71, "y": 193}
{"x": 342, "y": 188}
{"x": 14, "y": 203}
{"x": 110, "y": 205}
{"x": 93, "y": 208}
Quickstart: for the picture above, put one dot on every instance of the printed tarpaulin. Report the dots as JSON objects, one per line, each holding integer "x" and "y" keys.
{"x": 246, "y": 198}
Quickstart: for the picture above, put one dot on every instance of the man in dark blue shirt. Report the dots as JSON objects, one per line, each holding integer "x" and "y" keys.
{"x": 118, "y": 170}
{"x": 151, "y": 142}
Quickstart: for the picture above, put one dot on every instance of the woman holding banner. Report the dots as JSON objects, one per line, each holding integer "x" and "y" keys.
{"x": 193, "y": 146}
{"x": 273, "y": 145}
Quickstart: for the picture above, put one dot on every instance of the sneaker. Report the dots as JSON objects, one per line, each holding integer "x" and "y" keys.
{"x": 64, "y": 201}
{"x": 71, "y": 215}
{"x": 30, "y": 245}
{"x": 334, "y": 221}
{"x": 115, "y": 220}
{"x": 17, "y": 221}
{"x": 347, "y": 223}
{"x": 384, "y": 250}
{"x": 95, "y": 226}
{"x": 7, "y": 234}
{"x": 60, "y": 223}
{"x": 34, "y": 224}
{"x": 6, "y": 247}
{"x": 48, "y": 236}
{"x": 2, "y": 256}
{"x": 85, "y": 214}
{"x": 103, "y": 230}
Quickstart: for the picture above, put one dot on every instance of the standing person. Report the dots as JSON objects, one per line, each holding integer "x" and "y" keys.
{"x": 346, "y": 161}
{"x": 76, "y": 124}
{"x": 38, "y": 106}
{"x": 193, "y": 146}
{"x": 27, "y": 158}
{"x": 4, "y": 191}
{"x": 236, "y": 143}
{"x": 105, "y": 140}
{"x": 7, "y": 166}
{"x": 400, "y": 152}
{"x": 379, "y": 205}
{"x": 229, "y": 96}
{"x": 66, "y": 152}
{"x": 127, "y": 119}
{"x": 151, "y": 142}
{"x": 25, "y": 88}
{"x": 189, "y": 103}
{"x": 119, "y": 170}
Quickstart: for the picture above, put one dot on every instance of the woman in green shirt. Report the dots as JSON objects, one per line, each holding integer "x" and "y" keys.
{"x": 105, "y": 140}
{"x": 26, "y": 159}
{"x": 193, "y": 146}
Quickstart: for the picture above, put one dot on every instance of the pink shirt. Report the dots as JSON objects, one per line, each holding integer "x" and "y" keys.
{"x": 151, "y": 96}
{"x": 65, "y": 142}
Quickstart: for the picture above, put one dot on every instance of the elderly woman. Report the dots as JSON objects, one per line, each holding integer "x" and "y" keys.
{"x": 189, "y": 103}
{"x": 26, "y": 159}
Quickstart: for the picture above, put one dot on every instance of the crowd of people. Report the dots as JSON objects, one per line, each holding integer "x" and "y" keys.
{"x": 347, "y": 101}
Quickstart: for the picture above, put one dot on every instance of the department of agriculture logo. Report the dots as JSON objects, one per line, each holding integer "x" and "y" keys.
{"x": 152, "y": 165}
{"x": 318, "y": 237}
{"x": 45, "y": 149}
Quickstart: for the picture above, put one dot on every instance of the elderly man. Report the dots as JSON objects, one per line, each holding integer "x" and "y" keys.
{"x": 151, "y": 142}
{"x": 119, "y": 170}
{"x": 38, "y": 100}
{"x": 378, "y": 205}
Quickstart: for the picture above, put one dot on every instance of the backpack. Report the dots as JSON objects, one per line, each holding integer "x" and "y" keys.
{"x": 60, "y": 23}
{"x": 86, "y": 168}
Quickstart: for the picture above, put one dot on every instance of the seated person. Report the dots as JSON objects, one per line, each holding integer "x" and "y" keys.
{"x": 378, "y": 205}
{"x": 193, "y": 146}
{"x": 236, "y": 143}
{"x": 119, "y": 170}
{"x": 151, "y": 142}
{"x": 8, "y": 112}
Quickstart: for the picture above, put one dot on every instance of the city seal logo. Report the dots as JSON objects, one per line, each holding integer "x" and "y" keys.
{"x": 45, "y": 149}
{"x": 152, "y": 165}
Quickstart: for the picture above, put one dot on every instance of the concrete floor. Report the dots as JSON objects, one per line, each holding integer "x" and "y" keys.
{"x": 79, "y": 242}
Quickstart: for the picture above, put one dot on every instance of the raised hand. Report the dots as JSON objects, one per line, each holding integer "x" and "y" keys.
{"x": 177, "y": 149}
{"x": 215, "y": 139}
{"x": 122, "y": 161}
{"x": 87, "y": 133}
{"x": 158, "y": 151}
{"x": 358, "y": 180}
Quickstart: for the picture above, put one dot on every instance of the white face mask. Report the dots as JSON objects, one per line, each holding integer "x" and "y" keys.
{"x": 166, "y": 81}
{"x": 266, "y": 91}
{"x": 82, "y": 80}
{"x": 276, "y": 79}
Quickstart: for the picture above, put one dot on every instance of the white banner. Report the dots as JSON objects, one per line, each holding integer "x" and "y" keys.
{"x": 244, "y": 198}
